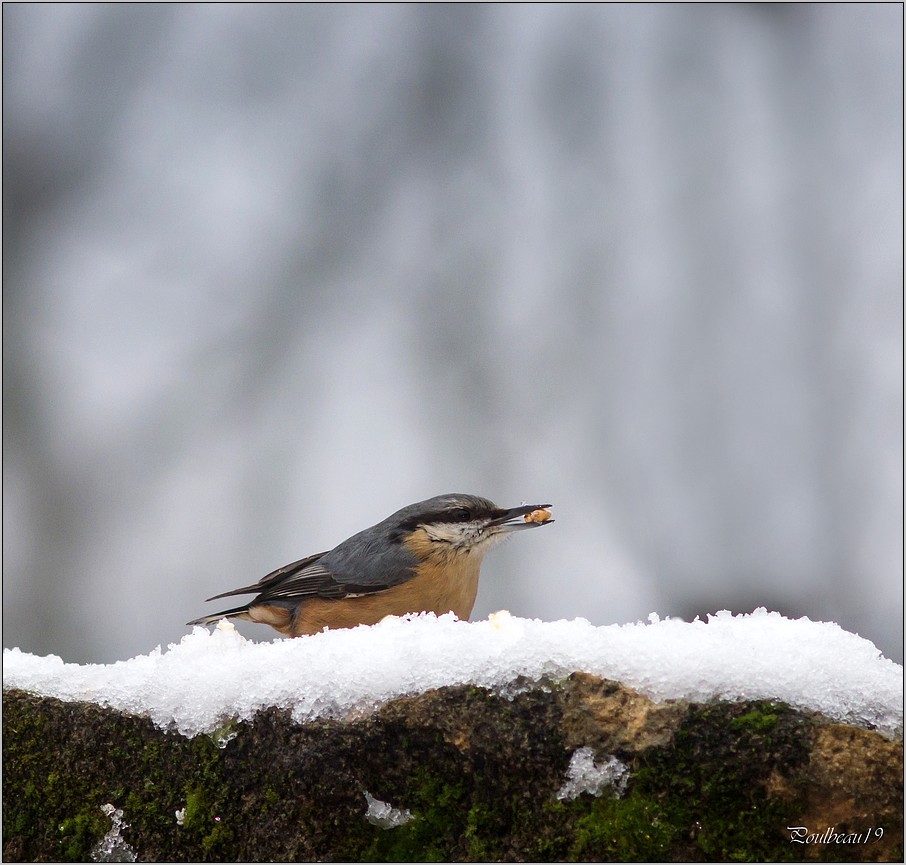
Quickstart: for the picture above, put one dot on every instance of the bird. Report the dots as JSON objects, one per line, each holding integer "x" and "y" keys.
{"x": 425, "y": 557}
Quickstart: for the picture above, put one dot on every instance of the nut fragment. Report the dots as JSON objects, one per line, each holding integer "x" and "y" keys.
{"x": 539, "y": 516}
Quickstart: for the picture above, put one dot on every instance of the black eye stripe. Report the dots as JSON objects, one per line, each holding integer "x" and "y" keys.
{"x": 446, "y": 515}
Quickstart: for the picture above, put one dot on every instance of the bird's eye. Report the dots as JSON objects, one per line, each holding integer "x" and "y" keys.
{"x": 461, "y": 515}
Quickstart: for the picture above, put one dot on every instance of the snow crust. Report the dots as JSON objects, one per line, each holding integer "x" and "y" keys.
{"x": 113, "y": 847}
{"x": 584, "y": 775}
{"x": 208, "y": 680}
{"x": 383, "y": 814}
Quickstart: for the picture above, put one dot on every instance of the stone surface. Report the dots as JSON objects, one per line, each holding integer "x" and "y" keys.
{"x": 478, "y": 771}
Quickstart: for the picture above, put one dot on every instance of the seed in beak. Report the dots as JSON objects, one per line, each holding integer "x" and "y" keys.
{"x": 539, "y": 516}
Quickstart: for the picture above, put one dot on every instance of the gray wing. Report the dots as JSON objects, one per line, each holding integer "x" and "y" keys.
{"x": 274, "y": 578}
{"x": 366, "y": 563}
{"x": 304, "y": 578}
{"x": 371, "y": 561}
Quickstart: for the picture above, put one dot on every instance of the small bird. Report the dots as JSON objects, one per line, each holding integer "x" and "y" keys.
{"x": 424, "y": 558}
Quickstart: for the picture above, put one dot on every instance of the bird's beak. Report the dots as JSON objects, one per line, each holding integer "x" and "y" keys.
{"x": 514, "y": 519}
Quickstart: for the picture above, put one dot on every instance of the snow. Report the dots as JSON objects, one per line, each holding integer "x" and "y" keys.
{"x": 384, "y": 814}
{"x": 208, "y": 680}
{"x": 112, "y": 847}
{"x": 584, "y": 775}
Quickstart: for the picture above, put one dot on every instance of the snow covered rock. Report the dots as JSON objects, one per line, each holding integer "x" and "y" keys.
{"x": 426, "y": 738}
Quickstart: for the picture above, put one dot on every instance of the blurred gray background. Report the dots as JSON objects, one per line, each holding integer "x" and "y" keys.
{"x": 273, "y": 272}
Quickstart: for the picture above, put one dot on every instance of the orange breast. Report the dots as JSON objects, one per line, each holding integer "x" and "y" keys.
{"x": 432, "y": 590}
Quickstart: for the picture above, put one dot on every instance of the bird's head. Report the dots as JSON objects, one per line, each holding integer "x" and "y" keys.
{"x": 461, "y": 523}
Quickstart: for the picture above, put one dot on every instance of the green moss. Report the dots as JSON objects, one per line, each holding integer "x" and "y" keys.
{"x": 287, "y": 792}
{"x": 196, "y": 816}
{"x": 64, "y": 761}
{"x": 702, "y": 797}
{"x": 760, "y": 720}
{"x": 437, "y": 806}
{"x": 80, "y": 834}
{"x": 708, "y": 786}
{"x": 458, "y": 814}
{"x": 218, "y": 841}
{"x": 478, "y": 819}
{"x": 204, "y": 821}
{"x": 637, "y": 829}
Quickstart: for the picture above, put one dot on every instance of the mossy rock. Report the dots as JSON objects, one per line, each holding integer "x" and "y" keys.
{"x": 479, "y": 772}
